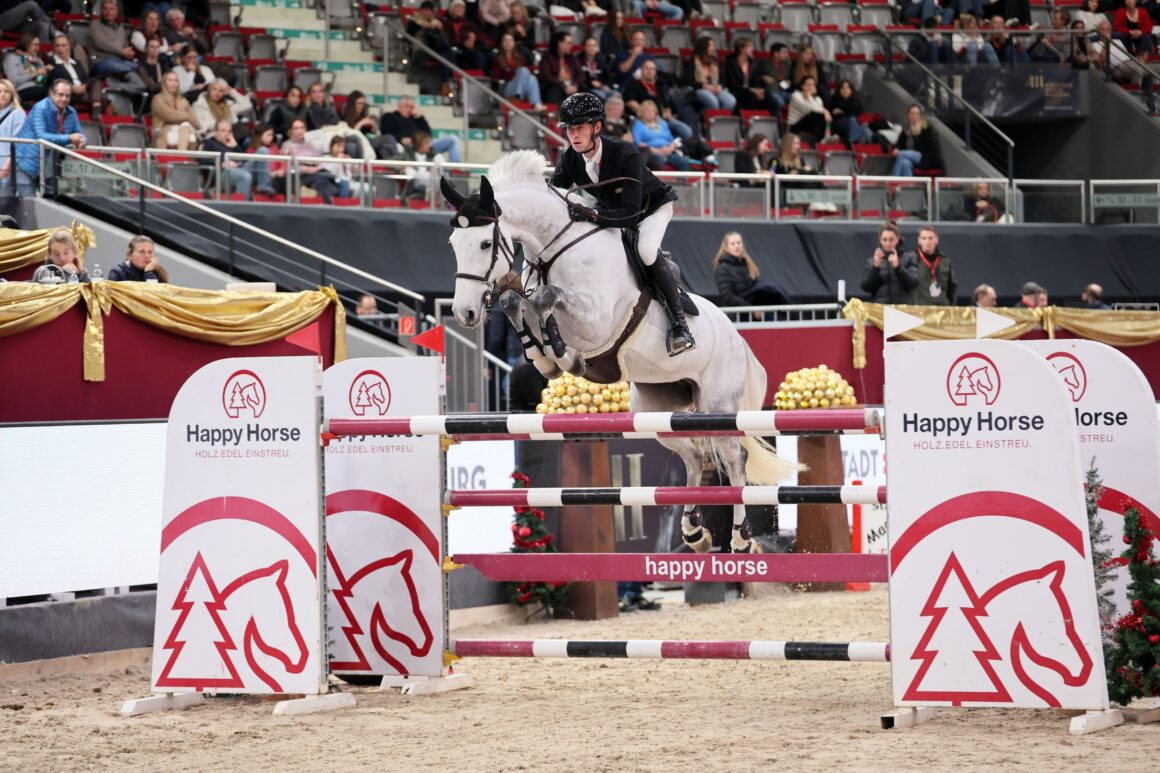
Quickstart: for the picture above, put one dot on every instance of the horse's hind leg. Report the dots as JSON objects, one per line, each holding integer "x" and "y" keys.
{"x": 693, "y": 530}
{"x": 731, "y": 455}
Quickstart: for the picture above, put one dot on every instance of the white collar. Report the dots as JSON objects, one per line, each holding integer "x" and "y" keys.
{"x": 599, "y": 154}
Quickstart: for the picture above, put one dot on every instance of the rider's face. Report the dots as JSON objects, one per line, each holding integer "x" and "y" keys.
{"x": 581, "y": 137}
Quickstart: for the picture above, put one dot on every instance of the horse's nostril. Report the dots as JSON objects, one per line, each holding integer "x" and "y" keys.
{"x": 470, "y": 316}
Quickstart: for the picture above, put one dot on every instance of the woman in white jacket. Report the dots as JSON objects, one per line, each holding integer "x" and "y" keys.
{"x": 220, "y": 103}
{"x": 807, "y": 112}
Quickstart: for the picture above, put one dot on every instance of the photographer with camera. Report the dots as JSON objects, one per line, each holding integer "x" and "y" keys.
{"x": 890, "y": 275}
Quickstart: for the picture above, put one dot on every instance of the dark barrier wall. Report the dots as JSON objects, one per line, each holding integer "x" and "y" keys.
{"x": 807, "y": 258}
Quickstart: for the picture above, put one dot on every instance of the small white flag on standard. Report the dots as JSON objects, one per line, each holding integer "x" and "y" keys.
{"x": 988, "y": 323}
{"x": 895, "y": 322}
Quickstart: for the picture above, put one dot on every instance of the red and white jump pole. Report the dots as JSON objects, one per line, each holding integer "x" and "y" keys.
{"x": 855, "y": 652}
{"x": 668, "y": 495}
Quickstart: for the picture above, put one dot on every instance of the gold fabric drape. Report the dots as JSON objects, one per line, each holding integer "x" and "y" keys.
{"x": 1116, "y": 328}
{"x": 19, "y": 249}
{"x": 230, "y": 317}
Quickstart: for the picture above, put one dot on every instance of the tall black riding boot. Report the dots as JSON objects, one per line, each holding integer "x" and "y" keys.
{"x": 680, "y": 339}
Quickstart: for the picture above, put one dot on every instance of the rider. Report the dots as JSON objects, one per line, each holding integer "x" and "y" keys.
{"x": 641, "y": 201}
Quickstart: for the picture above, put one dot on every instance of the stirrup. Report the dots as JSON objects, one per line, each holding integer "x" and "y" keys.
{"x": 679, "y": 341}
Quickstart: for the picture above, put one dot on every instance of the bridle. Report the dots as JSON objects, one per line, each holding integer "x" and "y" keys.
{"x": 501, "y": 248}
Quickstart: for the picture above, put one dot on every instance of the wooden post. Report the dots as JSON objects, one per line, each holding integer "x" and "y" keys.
{"x": 588, "y": 529}
{"x": 822, "y": 528}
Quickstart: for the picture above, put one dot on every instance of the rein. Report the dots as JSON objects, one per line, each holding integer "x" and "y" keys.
{"x": 501, "y": 247}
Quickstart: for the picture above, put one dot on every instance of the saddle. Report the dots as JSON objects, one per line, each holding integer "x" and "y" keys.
{"x": 631, "y": 240}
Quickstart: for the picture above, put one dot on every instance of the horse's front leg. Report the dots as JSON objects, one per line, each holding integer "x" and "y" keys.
{"x": 523, "y": 315}
{"x": 547, "y": 300}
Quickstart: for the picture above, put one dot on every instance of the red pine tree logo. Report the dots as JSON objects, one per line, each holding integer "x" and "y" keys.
{"x": 244, "y": 392}
{"x": 369, "y": 393}
{"x": 199, "y": 604}
{"x": 973, "y": 375}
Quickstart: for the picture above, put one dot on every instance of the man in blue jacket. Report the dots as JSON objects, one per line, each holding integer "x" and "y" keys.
{"x": 51, "y": 119}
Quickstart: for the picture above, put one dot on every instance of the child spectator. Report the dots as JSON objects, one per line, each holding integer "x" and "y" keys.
{"x": 339, "y": 171}
{"x": 890, "y": 275}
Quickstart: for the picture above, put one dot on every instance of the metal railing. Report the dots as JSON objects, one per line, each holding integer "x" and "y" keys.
{"x": 938, "y": 89}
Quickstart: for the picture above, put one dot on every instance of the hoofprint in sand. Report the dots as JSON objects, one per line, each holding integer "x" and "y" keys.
{"x": 597, "y": 715}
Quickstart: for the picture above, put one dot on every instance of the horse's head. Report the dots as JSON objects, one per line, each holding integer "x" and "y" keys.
{"x": 273, "y": 626}
{"x": 480, "y": 254}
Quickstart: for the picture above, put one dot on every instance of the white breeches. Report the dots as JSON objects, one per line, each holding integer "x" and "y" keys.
{"x": 652, "y": 233}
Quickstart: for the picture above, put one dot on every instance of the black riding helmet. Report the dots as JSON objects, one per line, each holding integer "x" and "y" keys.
{"x": 579, "y": 109}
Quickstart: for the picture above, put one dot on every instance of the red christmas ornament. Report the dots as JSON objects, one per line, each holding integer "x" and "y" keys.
{"x": 1137, "y": 604}
{"x": 515, "y": 527}
{"x": 1126, "y": 540}
{"x": 1154, "y": 638}
{"x": 525, "y": 532}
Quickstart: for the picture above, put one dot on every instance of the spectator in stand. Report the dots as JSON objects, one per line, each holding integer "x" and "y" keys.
{"x": 930, "y": 9}
{"x": 1134, "y": 27}
{"x": 174, "y": 122}
{"x": 891, "y": 276}
{"x": 12, "y": 118}
{"x": 472, "y": 43}
{"x": 193, "y": 76}
{"x": 150, "y": 30}
{"x": 151, "y": 70}
{"x": 320, "y": 112}
{"x": 981, "y": 206}
{"x": 595, "y": 77}
{"x": 242, "y": 175}
{"x": 1093, "y": 296}
{"x": 220, "y": 102}
{"x": 752, "y": 158}
{"x": 845, "y": 108}
{"x": 806, "y": 66}
{"x": 494, "y": 16}
{"x": 291, "y": 106}
{"x": 1082, "y": 53}
{"x": 969, "y": 45}
{"x": 1041, "y": 298}
{"x": 61, "y": 258}
{"x": 406, "y": 120}
{"x": 789, "y": 157}
{"x": 323, "y": 123}
{"x": 340, "y": 171}
{"x": 559, "y": 69}
{"x": 650, "y": 131}
{"x": 312, "y": 173}
{"x": 738, "y": 278}
{"x": 807, "y": 113}
{"x": 1053, "y": 47}
{"x": 367, "y": 306}
{"x": 1029, "y": 295}
{"x": 1111, "y": 55}
{"x": 1019, "y": 10}
{"x": 930, "y": 47}
{"x": 777, "y": 75}
{"x": 936, "y": 274}
{"x": 917, "y": 145}
{"x": 419, "y": 179}
{"x": 614, "y": 39}
{"x": 178, "y": 33}
{"x": 358, "y": 118}
{"x": 24, "y": 68}
{"x": 264, "y": 143}
{"x": 85, "y": 90}
{"x": 430, "y": 29}
{"x": 615, "y": 120}
{"x": 510, "y": 68}
{"x": 647, "y": 87}
{"x": 51, "y": 119}
{"x": 1008, "y": 49}
{"x": 521, "y": 28}
{"x": 703, "y": 73}
{"x": 661, "y": 7}
{"x": 140, "y": 265}
{"x": 631, "y": 59}
{"x": 742, "y": 78}
{"x": 109, "y": 42}
{"x": 1090, "y": 15}
{"x": 985, "y": 297}
{"x": 26, "y": 16}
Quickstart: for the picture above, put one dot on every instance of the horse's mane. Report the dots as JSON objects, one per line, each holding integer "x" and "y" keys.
{"x": 519, "y": 166}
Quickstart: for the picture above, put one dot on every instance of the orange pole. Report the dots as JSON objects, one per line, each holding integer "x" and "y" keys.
{"x": 856, "y": 542}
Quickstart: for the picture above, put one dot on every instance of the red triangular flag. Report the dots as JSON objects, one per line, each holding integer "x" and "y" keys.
{"x": 308, "y": 338}
{"x": 431, "y": 339}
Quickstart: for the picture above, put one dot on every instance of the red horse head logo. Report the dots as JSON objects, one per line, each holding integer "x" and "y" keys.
{"x": 369, "y": 392}
{"x": 244, "y": 392}
{"x": 1071, "y": 370}
{"x": 971, "y": 377}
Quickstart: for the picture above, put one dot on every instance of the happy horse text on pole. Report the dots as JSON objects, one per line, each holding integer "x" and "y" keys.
{"x": 608, "y": 329}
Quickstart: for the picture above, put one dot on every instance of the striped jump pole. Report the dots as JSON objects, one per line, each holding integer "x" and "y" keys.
{"x": 854, "y": 652}
{"x": 669, "y": 495}
{"x": 677, "y": 567}
{"x": 597, "y": 426}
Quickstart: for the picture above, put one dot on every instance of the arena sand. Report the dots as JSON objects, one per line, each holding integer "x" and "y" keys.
{"x": 580, "y": 715}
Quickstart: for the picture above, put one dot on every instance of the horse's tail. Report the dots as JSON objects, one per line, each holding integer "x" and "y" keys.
{"x": 763, "y": 466}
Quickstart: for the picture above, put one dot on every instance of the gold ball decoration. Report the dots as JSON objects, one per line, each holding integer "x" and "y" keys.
{"x": 574, "y": 394}
{"x": 817, "y": 387}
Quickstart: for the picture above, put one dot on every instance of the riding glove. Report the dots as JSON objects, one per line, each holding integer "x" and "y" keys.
{"x": 581, "y": 213}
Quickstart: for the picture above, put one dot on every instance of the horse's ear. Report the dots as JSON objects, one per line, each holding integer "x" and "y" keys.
{"x": 486, "y": 195}
{"x": 450, "y": 194}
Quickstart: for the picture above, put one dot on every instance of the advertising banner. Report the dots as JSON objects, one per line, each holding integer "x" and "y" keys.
{"x": 992, "y": 597}
{"x": 1118, "y": 435}
{"x": 383, "y": 524}
{"x": 238, "y": 602}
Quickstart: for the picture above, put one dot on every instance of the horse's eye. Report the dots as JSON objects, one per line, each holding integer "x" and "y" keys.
{"x": 485, "y": 244}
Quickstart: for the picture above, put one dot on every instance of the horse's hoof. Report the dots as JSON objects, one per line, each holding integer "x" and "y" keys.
{"x": 548, "y": 369}
{"x": 699, "y": 541}
{"x": 749, "y": 546}
{"x": 578, "y": 366}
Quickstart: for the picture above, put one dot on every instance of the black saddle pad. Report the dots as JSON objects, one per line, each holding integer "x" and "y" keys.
{"x": 630, "y": 237}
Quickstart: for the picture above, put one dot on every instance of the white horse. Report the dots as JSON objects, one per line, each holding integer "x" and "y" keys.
{"x": 575, "y": 311}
